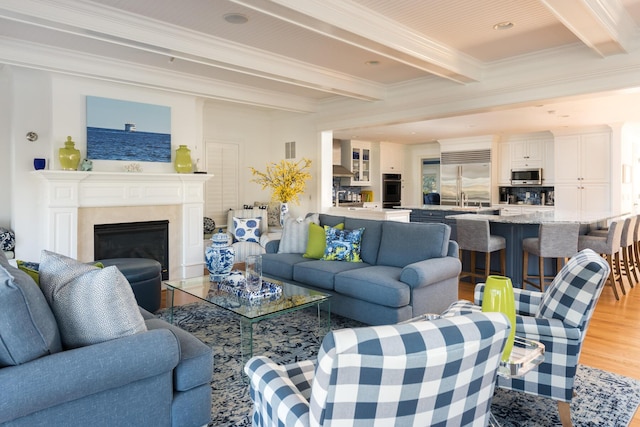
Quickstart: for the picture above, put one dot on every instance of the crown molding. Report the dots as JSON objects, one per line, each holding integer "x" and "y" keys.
{"x": 102, "y": 23}
{"x": 32, "y": 55}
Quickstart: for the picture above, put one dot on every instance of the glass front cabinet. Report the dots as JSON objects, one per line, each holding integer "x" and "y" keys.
{"x": 357, "y": 154}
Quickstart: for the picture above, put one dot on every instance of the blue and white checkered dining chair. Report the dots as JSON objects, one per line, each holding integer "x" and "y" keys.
{"x": 422, "y": 373}
{"x": 557, "y": 318}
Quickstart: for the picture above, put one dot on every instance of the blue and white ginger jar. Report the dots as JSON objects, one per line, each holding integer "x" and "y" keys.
{"x": 219, "y": 257}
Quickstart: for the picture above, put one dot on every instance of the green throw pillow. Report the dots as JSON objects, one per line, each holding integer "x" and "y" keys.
{"x": 33, "y": 268}
{"x": 317, "y": 240}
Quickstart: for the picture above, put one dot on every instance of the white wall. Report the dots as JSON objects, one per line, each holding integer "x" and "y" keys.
{"x": 54, "y": 106}
{"x": 6, "y": 165}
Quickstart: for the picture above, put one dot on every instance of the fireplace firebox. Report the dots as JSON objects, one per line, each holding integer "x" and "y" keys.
{"x": 148, "y": 239}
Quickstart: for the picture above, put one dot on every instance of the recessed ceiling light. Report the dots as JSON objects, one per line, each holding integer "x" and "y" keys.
{"x": 372, "y": 63}
{"x": 236, "y": 18}
{"x": 503, "y": 25}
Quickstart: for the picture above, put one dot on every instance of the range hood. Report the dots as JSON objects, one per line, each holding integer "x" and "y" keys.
{"x": 340, "y": 171}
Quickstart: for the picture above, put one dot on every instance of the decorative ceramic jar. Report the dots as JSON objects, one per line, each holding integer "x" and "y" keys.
{"x": 69, "y": 156}
{"x": 284, "y": 210}
{"x": 498, "y": 296}
{"x": 183, "y": 163}
{"x": 219, "y": 256}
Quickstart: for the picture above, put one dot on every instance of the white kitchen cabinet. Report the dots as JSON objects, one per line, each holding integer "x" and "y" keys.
{"x": 504, "y": 164}
{"x": 528, "y": 153}
{"x": 391, "y": 157}
{"x": 356, "y": 156}
{"x": 583, "y": 177}
{"x": 548, "y": 166}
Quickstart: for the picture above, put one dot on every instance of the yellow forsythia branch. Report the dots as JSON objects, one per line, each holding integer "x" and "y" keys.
{"x": 286, "y": 179}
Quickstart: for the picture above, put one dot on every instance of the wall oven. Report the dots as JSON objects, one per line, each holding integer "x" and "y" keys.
{"x": 391, "y": 190}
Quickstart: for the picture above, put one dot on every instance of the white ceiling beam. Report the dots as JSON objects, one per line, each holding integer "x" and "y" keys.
{"x": 41, "y": 57}
{"x": 351, "y": 23}
{"x": 89, "y": 20}
{"x": 604, "y": 26}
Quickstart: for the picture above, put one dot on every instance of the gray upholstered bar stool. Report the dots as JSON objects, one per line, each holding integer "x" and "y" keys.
{"x": 555, "y": 240}
{"x": 627, "y": 248}
{"x": 475, "y": 236}
{"x": 609, "y": 247}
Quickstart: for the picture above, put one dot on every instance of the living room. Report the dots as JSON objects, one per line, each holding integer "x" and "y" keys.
{"x": 44, "y": 90}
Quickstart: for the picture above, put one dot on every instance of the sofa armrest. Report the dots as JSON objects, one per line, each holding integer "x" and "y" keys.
{"x": 454, "y": 249}
{"x": 272, "y": 246}
{"x": 543, "y": 329}
{"x": 430, "y": 271}
{"x": 72, "y": 374}
{"x": 196, "y": 358}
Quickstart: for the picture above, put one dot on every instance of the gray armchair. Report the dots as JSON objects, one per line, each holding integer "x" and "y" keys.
{"x": 439, "y": 372}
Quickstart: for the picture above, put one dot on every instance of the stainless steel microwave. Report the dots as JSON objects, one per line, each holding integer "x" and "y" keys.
{"x": 531, "y": 176}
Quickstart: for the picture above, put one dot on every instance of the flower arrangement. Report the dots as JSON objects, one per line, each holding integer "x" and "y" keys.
{"x": 286, "y": 179}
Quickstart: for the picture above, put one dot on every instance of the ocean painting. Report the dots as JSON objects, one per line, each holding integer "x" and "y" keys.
{"x": 131, "y": 131}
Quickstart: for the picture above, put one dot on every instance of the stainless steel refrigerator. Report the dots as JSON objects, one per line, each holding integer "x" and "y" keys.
{"x": 465, "y": 175}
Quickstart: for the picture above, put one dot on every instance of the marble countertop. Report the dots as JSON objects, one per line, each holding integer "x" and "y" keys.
{"x": 450, "y": 208}
{"x": 544, "y": 217}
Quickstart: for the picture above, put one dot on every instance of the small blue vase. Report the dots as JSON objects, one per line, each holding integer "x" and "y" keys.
{"x": 219, "y": 257}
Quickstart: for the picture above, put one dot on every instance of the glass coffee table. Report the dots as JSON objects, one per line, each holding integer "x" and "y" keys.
{"x": 291, "y": 299}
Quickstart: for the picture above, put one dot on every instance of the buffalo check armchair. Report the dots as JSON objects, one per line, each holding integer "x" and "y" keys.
{"x": 439, "y": 372}
{"x": 558, "y": 318}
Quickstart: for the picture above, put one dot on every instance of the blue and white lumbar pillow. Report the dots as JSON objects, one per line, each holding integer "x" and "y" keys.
{"x": 247, "y": 229}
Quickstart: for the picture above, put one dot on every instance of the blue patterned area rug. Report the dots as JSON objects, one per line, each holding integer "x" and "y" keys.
{"x": 603, "y": 399}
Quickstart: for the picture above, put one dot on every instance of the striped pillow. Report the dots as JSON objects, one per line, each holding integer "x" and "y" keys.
{"x": 295, "y": 234}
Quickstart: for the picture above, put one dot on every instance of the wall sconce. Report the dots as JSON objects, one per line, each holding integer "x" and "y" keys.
{"x": 32, "y": 136}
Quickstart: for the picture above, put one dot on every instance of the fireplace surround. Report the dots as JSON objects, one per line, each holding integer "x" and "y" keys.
{"x": 75, "y": 201}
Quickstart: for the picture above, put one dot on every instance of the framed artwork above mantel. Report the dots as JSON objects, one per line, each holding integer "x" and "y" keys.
{"x": 129, "y": 131}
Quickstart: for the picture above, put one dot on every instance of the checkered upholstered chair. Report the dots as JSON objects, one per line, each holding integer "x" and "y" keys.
{"x": 439, "y": 372}
{"x": 558, "y": 318}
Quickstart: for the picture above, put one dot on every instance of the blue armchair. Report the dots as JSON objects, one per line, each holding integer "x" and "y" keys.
{"x": 558, "y": 318}
{"x": 420, "y": 373}
{"x": 157, "y": 377}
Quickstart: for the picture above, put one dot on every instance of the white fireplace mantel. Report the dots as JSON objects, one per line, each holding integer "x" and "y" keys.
{"x": 64, "y": 192}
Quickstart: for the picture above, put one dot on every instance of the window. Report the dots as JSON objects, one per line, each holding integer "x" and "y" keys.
{"x": 221, "y": 191}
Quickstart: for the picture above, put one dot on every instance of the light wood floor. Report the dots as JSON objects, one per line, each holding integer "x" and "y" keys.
{"x": 613, "y": 338}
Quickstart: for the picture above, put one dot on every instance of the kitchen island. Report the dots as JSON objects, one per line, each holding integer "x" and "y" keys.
{"x": 515, "y": 228}
{"x": 400, "y": 215}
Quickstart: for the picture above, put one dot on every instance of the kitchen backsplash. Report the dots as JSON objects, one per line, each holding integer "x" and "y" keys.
{"x": 527, "y": 195}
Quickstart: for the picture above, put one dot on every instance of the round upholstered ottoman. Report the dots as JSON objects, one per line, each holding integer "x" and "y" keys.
{"x": 145, "y": 277}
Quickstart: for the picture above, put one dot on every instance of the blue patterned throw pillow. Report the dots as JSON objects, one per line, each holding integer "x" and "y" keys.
{"x": 7, "y": 239}
{"x": 342, "y": 245}
{"x": 247, "y": 229}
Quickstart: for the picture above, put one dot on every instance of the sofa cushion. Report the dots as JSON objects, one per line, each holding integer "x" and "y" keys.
{"x": 377, "y": 284}
{"x": 405, "y": 243}
{"x": 342, "y": 245}
{"x": 29, "y": 329}
{"x": 370, "y": 239}
{"x": 317, "y": 241}
{"x": 320, "y": 273}
{"x": 280, "y": 265}
{"x": 91, "y": 304}
{"x": 295, "y": 234}
{"x": 247, "y": 229}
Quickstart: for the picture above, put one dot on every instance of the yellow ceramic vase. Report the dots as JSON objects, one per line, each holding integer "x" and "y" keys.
{"x": 183, "y": 163}
{"x": 498, "y": 296}
{"x": 69, "y": 156}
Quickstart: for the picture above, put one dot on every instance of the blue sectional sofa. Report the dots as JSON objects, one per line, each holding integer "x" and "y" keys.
{"x": 408, "y": 269}
{"x": 157, "y": 377}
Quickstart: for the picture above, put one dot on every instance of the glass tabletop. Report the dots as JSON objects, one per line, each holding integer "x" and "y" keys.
{"x": 292, "y": 297}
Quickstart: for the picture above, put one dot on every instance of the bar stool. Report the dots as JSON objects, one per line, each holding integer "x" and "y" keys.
{"x": 555, "y": 240}
{"x": 627, "y": 246}
{"x": 475, "y": 236}
{"x": 609, "y": 247}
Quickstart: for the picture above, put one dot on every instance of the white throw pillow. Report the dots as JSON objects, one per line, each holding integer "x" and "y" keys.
{"x": 91, "y": 304}
{"x": 295, "y": 234}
